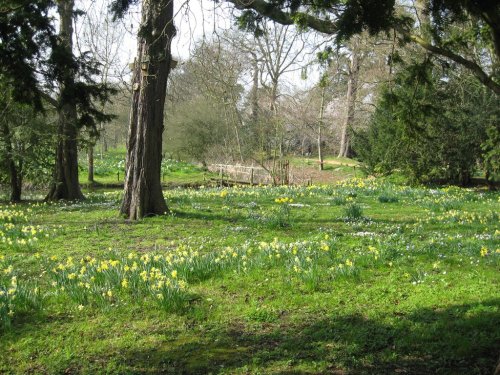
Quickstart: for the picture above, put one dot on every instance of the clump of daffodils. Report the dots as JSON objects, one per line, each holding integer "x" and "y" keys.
{"x": 283, "y": 200}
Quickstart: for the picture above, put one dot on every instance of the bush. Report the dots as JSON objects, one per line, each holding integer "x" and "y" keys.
{"x": 387, "y": 197}
{"x": 430, "y": 126}
{"x": 353, "y": 212}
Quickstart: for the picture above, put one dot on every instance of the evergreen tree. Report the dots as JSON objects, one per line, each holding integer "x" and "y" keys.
{"x": 430, "y": 125}
{"x": 26, "y": 144}
{"x": 38, "y": 64}
{"x": 26, "y": 32}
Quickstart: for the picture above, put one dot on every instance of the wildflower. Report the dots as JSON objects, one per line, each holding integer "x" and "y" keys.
{"x": 80, "y": 307}
{"x": 174, "y": 274}
{"x": 124, "y": 283}
{"x": 484, "y": 251}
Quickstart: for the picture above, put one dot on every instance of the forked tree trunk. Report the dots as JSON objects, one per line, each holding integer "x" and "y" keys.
{"x": 143, "y": 193}
{"x": 65, "y": 183}
{"x": 352, "y": 88}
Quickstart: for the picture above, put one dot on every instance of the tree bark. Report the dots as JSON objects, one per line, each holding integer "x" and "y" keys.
{"x": 320, "y": 128}
{"x": 65, "y": 183}
{"x": 14, "y": 172}
{"x": 352, "y": 88}
{"x": 90, "y": 159}
{"x": 143, "y": 192}
{"x": 255, "y": 89}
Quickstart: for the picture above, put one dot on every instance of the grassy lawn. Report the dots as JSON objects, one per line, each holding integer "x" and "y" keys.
{"x": 360, "y": 278}
{"x": 109, "y": 171}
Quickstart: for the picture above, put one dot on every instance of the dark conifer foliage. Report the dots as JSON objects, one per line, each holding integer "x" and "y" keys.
{"x": 26, "y": 34}
{"x": 39, "y": 65}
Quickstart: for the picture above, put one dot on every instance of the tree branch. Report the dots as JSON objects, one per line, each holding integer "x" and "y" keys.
{"x": 53, "y": 102}
{"x": 266, "y": 9}
{"x": 480, "y": 74}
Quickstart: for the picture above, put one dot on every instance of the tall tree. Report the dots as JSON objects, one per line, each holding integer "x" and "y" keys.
{"x": 104, "y": 38}
{"x": 143, "y": 192}
{"x": 217, "y": 69}
{"x": 34, "y": 59}
{"x": 352, "y": 89}
{"x": 322, "y": 84}
{"x": 65, "y": 184}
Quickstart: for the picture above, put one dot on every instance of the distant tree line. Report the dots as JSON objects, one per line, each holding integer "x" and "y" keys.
{"x": 407, "y": 86}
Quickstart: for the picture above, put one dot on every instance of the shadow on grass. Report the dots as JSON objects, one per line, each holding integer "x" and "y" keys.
{"x": 461, "y": 339}
{"x": 210, "y": 216}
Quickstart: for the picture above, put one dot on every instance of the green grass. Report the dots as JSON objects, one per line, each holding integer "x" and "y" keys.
{"x": 411, "y": 286}
{"x": 109, "y": 171}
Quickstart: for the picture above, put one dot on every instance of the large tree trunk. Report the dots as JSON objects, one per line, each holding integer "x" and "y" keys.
{"x": 143, "y": 193}
{"x": 352, "y": 88}
{"x": 65, "y": 183}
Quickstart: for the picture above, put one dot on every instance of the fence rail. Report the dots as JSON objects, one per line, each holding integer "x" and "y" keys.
{"x": 251, "y": 175}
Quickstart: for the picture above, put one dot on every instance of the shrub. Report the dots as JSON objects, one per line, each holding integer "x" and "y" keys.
{"x": 387, "y": 197}
{"x": 353, "y": 212}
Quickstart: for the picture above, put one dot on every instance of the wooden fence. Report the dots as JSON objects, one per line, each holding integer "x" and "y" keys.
{"x": 253, "y": 175}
